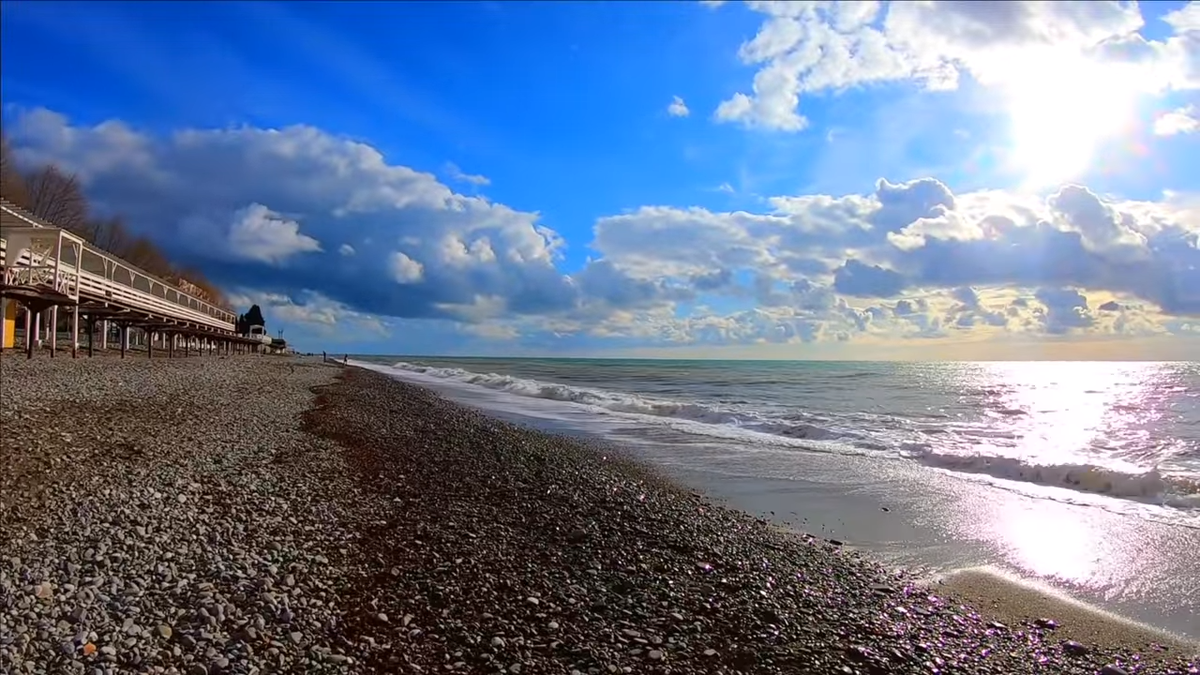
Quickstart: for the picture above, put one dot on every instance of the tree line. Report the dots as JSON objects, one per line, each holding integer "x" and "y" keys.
{"x": 57, "y": 198}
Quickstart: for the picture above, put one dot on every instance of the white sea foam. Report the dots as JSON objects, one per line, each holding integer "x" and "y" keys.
{"x": 966, "y": 456}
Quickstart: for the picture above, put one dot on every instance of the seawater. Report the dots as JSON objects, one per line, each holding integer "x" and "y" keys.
{"x": 1031, "y": 467}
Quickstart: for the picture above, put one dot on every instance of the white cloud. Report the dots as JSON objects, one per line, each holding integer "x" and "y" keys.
{"x": 1185, "y": 19}
{"x": 678, "y": 108}
{"x": 312, "y": 310}
{"x": 1180, "y": 121}
{"x": 805, "y": 47}
{"x": 712, "y": 4}
{"x": 405, "y": 270}
{"x": 456, "y": 174}
{"x": 333, "y": 187}
{"x": 906, "y": 260}
{"x": 258, "y": 233}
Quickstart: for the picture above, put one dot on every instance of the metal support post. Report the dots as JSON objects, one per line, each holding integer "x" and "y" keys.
{"x": 75, "y": 331}
{"x": 53, "y": 330}
{"x": 31, "y": 321}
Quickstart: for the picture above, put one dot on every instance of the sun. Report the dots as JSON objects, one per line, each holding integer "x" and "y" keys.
{"x": 1062, "y": 107}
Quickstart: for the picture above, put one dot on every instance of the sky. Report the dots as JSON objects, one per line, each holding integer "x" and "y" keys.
{"x": 911, "y": 180}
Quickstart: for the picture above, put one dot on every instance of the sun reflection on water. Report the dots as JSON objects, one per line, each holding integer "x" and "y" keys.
{"x": 1074, "y": 415}
{"x": 1071, "y": 413}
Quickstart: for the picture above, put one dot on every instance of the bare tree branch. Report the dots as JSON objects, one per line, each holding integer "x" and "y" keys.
{"x": 58, "y": 199}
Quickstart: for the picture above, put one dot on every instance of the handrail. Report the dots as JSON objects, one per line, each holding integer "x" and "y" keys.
{"x": 111, "y": 265}
{"x": 73, "y": 279}
{"x": 89, "y": 247}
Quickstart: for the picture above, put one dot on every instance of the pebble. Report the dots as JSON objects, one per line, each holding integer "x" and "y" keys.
{"x": 141, "y": 541}
{"x": 211, "y": 533}
{"x": 1075, "y": 648}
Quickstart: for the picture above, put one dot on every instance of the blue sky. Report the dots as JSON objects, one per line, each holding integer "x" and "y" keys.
{"x": 667, "y": 178}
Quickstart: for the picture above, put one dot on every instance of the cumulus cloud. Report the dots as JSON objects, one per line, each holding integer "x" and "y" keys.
{"x": 1186, "y": 19}
{"x": 804, "y": 47}
{"x": 1181, "y": 121}
{"x": 258, "y": 233}
{"x": 1066, "y": 308}
{"x": 906, "y": 259}
{"x": 918, "y": 234}
{"x": 282, "y": 191}
{"x": 678, "y": 108}
{"x": 405, "y": 270}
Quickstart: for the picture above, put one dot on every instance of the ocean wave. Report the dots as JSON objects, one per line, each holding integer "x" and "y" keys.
{"x": 1149, "y": 486}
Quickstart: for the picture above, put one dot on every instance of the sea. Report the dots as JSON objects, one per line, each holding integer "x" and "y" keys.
{"x": 1079, "y": 478}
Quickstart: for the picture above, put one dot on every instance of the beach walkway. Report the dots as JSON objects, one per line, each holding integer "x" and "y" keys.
{"x": 44, "y": 269}
{"x": 289, "y": 516}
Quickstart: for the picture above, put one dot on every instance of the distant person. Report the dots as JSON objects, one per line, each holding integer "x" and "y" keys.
{"x": 324, "y": 358}
{"x": 345, "y": 358}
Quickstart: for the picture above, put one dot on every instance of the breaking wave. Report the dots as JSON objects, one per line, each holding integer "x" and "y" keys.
{"x": 1149, "y": 485}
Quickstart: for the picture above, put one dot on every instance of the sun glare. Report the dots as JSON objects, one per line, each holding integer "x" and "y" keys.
{"x": 1061, "y": 109}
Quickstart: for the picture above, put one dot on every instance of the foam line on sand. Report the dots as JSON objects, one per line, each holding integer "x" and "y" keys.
{"x": 1013, "y": 600}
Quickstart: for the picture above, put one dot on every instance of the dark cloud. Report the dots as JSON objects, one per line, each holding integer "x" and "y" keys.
{"x": 871, "y": 281}
{"x": 1066, "y": 308}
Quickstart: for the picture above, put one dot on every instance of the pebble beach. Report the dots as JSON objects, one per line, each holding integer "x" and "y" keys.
{"x": 281, "y": 515}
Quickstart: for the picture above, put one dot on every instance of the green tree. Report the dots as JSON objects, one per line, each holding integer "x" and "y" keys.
{"x": 254, "y": 317}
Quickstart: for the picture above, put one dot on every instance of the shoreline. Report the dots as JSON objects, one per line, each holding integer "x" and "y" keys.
{"x": 394, "y": 531}
{"x": 1011, "y": 600}
{"x": 915, "y": 518}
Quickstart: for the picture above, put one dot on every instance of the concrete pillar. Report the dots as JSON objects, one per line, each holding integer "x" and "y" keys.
{"x": 104, "y": 334}
{"x": 4, "y": 323}
{"x": 124, "y": 340}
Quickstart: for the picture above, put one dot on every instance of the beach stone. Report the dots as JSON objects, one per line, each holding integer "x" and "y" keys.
{"x": 1074, "y": 648}
{"x": 315, "y": 511}
{"x": 1113, "y": 670}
